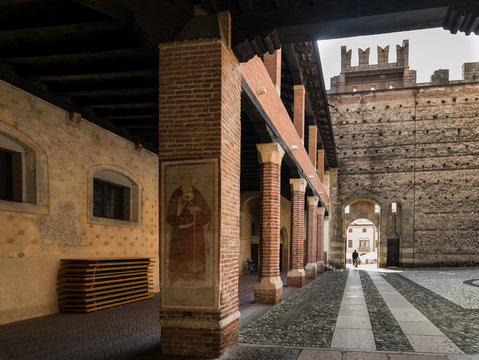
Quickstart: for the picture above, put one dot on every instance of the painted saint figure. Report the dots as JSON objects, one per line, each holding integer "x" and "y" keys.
{"x": 187, "y": 213}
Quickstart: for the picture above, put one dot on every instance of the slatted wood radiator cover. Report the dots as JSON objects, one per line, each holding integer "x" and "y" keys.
{"x": 85, "y": 285}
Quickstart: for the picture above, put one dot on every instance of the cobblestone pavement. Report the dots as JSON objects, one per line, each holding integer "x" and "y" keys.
{"x": 258, "y": 352}
{"x": 457, "y": 323}
{"x": 117, "y": 333}
{"x": 387, "y": 332}
{"x": 306, "y": 318}
{"x": 300, "y": 327}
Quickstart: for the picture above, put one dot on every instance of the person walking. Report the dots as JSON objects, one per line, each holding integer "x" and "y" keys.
{"x": 355, "y": 258}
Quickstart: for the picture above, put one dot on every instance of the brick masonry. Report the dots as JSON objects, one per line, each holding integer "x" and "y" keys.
{"x": 296, "y": 278}
{"x": 417, "y": 147}
{"x": 200, "y": 87}
{"x": 269, "y": 288}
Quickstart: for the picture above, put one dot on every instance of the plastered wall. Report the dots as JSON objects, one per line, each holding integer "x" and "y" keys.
{"x": 250, "y": 211}
{"x": 417, "y": 147}
{"x": 33, "y": 238}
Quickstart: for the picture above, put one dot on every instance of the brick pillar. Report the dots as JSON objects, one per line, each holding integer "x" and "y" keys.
{"x": 321, "y": 165}
{"x": 200, "y": 120}
{"x": 320, "y": 258}
{"x": 298, "y": 110}
{"x": 296, "y": 276}
{"x": 313, "y": 144}
{"x": 269, "y": 287}
{"x": 311, "y": 267}
{"x": 272, "y": 63}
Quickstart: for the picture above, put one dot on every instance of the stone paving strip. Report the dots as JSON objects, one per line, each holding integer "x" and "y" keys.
{"x": 421, "y": 333}
{"x": 307, "y": 318}
{"x": 458, "y": 324}
{"x": 353, "y": 328}
{"x": 387, "y": 332}
{"x": 258, "y": 352}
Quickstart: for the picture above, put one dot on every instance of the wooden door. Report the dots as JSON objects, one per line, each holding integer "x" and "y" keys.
{"x": 393, "y": 252}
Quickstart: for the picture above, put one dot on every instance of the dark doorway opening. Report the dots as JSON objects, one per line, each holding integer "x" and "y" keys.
{"x": 393, "y": 252}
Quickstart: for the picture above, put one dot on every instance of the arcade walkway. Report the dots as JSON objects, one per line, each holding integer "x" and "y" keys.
{"x": 402, "y": 315}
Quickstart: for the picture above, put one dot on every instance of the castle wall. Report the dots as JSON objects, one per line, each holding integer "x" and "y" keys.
{"x": 34, "y": 237}
{"x": 417, "y": 147}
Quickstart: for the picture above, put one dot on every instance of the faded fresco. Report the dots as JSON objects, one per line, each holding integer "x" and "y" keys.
{"x": 189, "y": 224}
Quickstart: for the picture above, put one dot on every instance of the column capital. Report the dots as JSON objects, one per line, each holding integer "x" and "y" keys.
{"x": 313, "y": 200}
{"x": 298, "y": 185}
{"x": 321, "y": 210}
{"x": 270, "y": 153}
{"x": 298, "y": 87}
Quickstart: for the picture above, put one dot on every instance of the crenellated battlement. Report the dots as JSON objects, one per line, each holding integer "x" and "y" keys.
{"x": 383, "y": 75}
{"x": 402, "y": 58}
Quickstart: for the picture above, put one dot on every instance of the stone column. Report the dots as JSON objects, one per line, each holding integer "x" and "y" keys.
{"x": 311, "y": 267}
{"x": 296, "y": 276}
{"x": 199, "y": 314}
{"x": 269, "y": 287}
{"x": 298, "y": 109}
{"x": 320, "y": 259}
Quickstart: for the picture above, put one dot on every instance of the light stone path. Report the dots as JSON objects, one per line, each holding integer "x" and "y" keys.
{"x": 353, "y": 327}
{"x": 421, "y": 333}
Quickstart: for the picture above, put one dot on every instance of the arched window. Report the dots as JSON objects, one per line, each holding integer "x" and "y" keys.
{"x": 113, "y": 197}
{"x": 22, "y": 172}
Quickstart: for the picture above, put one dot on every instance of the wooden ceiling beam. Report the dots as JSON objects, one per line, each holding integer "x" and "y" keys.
{"x": 136, "y": 105}
{"x": 125, "y": 75}
{"x": 120, "y": 92}
{"x": 114, "y": 118}
{"x": 83, "y": 57}
{"x": 58, "y": 31}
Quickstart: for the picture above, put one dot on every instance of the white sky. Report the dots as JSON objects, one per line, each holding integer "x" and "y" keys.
{"x": 429, "y": 50}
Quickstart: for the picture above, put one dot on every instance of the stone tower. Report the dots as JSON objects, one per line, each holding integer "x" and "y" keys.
{"x": 383, "y": 75}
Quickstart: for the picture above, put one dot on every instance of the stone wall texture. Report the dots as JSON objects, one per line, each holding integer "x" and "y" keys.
{"x": 33, "y": 238}
{"x": 417, "y": 147}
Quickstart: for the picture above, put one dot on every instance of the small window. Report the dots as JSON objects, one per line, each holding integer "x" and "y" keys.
{"x": 366, "y": 243}
{"x": 350, "y": 243}
{"x": 361, "y": 243}
{"x": 350, "y": 230}
{"x": 114, "y": 198}
{"x": 110, "y": 200}
{"x": 346, "y": 210}
{"x": 11, "y": 175}
{"x": 364, "y": 229}
{"x": 394, "y": 207}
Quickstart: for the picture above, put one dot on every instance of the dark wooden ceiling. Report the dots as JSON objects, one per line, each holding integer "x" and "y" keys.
{"x": 99, "y": 58}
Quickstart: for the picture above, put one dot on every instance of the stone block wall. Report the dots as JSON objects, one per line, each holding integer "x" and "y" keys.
{"x": 34, "y": 237}
{"x": 417, "y": 147}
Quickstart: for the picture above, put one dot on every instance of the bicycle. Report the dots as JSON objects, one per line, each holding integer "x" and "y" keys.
{"x": 248, "y": 267}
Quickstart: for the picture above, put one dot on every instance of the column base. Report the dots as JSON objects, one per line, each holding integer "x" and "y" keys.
{"x": 268, "y": 290}
{"x": 320, "y": 265}
{"x": 296, "y": 278}
{"x": 311, "y": 270}
{"x": 200, "y": 338}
